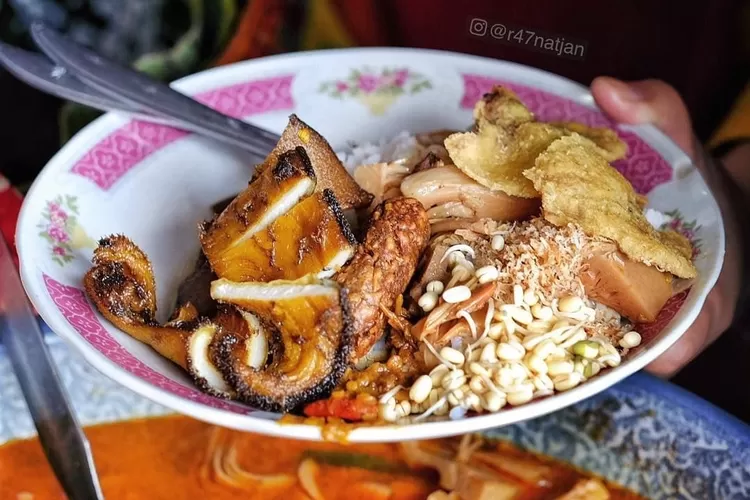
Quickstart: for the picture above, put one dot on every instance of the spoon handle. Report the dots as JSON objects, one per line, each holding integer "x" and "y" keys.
{"x": 148, "y": 95}
{"x": 62, "y": 439}
{"x": 38, "y": 72}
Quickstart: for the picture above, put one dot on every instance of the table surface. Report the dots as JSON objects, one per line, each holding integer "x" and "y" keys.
{"x": 95, "y": 398}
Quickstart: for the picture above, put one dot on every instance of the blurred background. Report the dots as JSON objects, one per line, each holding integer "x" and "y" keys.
{"x": 702, "y": 48}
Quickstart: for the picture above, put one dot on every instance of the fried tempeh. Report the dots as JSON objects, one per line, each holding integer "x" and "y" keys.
{"x": 382, "y": 267}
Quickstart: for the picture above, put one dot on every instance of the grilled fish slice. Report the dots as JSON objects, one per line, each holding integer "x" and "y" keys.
{"x": 269, "y": 196}
{"x": 122, "y": 287}
{"x": 330, "y": 172}
{"x": 307, "y": 325}
{"x": 205, "y": 342}
{"x": 312, "y": 238}
{"x": 201, "y": 366}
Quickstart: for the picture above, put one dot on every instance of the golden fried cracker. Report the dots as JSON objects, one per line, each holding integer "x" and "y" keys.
{"x": 506, "y": 141}
{"x": 502, "y": 107}
{"x": 496, "y": 157}
{"x": 607, "y": 139}
{"x": 579, "y": 186}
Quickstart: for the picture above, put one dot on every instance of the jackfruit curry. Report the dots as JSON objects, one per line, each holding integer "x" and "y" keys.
{"x": 176, "y": 458}
{"x": 472, "y": 271}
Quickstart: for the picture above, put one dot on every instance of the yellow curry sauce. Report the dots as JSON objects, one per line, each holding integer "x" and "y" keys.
{"x": 176, "y": 458}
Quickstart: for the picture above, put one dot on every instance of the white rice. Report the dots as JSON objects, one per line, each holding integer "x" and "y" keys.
{"x": 400, "y": 147}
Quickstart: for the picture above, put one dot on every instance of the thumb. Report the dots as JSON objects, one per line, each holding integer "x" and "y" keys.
{"x": 646, "y": 101}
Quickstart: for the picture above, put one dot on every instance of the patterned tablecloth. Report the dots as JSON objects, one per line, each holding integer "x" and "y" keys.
{"x": 95, "y": 398}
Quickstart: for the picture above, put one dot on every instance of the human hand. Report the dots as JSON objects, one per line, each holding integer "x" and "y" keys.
{"x": 656, "y": 103}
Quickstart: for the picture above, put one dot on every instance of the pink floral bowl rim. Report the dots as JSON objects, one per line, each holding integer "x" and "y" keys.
{"x": 348, "y": 95}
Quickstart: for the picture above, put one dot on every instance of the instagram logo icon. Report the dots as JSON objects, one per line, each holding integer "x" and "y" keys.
{"x": 478, "y": 27}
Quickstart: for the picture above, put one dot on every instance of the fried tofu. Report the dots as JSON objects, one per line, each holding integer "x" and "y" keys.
{"x": 633, "y": 289}
{"x": 579, "y": 186}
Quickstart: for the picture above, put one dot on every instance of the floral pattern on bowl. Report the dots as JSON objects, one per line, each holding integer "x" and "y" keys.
{"x": 60, "y": 227}
{"x": 377, "y": 90}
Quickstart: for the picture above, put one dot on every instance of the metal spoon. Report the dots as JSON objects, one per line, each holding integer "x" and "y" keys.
{"x": 78, "y": 74}
{"x": 60, "y": 434}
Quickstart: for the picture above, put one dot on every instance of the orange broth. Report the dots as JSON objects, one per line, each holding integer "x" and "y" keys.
{"x": 175, "y": 458}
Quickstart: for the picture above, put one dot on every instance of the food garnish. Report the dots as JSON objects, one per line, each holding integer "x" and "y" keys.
{"x": 494, "y": 267}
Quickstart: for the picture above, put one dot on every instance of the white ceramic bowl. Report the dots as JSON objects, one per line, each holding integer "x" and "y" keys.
{"x": 153, "y": 184}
